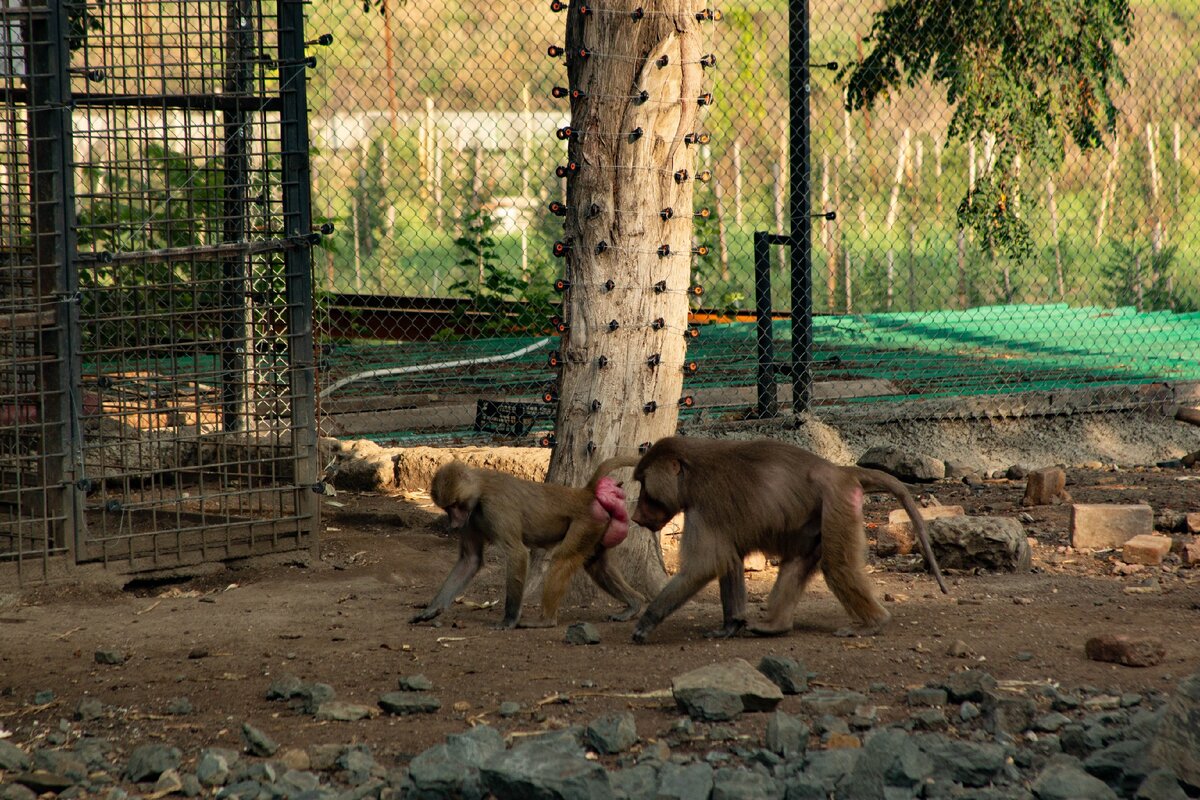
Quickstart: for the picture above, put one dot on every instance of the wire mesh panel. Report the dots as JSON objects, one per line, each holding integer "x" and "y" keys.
{"x": 34, "y": 510}
{"x": 196, "y": 364}
{"x": 441, "y": 137}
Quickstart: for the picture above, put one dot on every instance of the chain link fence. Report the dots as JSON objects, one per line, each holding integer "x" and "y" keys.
{"x": 437, "y": 131}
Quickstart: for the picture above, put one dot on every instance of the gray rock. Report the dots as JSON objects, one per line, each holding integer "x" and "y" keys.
{"x": 509, "y": 709}
{"x": 911, "y": 467}
{"x": 16, "y": 791}
{"x": 828, "y": 723}
{"x": 1049, "y": 723}
{"x": 88, "y": 709}
{"x": 991, "y": 543}
{"x": 691, "y": 782}
{"x": 968, "y": 711}
{"x": 212, "y": 769}
{"x": 43, "y": 697}
{"x": 549, "y": 770}
{"x": 191, "y": 786}
{"x": 831, "y": 768}
{"x": 340, "y": 711}
{"x": 743, "y": 784}
{"x": 929, "y": 719}
{"x": 612, "y": 733}
{"x": 180, "y": 706}
{"x": 787, "y": 735}
{"x": 805, "y": 787}
{"x": 452, "y": 769}
{"x": 357, "y": 764}
{"x": 1160, "y": 785}
{"x": 109, "y": 657}
{"x": 971, "y": 684}
{"x": 927, "y": 697}
{"x": 724, "y": 690}
{"x": 967, "y": 763}
{"x": 1176, "y": 746}
{"x": 889, "y": 758}
{"x": 63, "y": 762}
{"x": 284, "y": 688}
{"x": 790, "y": 676}
{"x": 582, "y": 633}
{"x": 151, "y": 760}
{"x": 244, "y": 790}
{"x": 258, "y": 743}
{"x": 1066, "y": 781}
{"x": 312, "y": 696}
{"x": 402, "y": 703}
{"x": 1009, "y": 714}
{"x": 94, "y": 753}
{"x": 296, "y": 782}
{"x": 170, "y": 782}
{"x": 1122, "y": 765}
{"x": 324, "y": 756}
{"x": 13, "y": 758}
{"x": 832, "y": 701}
{"x": 635, "y": 783}
{"x": 415, "y": 683}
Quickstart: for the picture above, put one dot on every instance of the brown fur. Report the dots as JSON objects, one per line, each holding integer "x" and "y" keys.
{"x": 489, "y": 506}
{"x": 775, "y": 498}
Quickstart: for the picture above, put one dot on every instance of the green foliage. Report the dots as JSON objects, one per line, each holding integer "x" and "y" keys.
{"x": 503, "y": 301}
{"x": 1035, "y": 73}
{"x": 1135, "y": 275}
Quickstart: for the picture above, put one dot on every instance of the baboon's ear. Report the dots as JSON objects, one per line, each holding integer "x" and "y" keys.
{"x": 675, "y": 465}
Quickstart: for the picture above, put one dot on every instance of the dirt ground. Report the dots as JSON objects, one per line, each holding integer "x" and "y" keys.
{"x": 220, "y": 640}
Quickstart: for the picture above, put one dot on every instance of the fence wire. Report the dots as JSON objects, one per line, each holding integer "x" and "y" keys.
{"x": 437, "y": 130}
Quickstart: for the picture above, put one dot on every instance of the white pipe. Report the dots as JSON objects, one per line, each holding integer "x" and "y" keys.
{"x": 376, "y": 373}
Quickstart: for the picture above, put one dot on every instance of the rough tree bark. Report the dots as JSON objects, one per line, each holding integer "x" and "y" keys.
{"x": 636, "y": 95}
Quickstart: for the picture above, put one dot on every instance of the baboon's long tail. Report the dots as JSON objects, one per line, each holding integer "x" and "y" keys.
{"x": 873, "y": 480}
{"x": 609, "y": 465}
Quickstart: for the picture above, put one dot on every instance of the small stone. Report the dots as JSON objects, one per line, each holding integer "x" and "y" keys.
{"x": 198, "y": 653}
{"x": 968, "y": 711}
{"x": 1064, "y": 781}
{"x": 16, "y": 791}
{"x": 43, "y": 697}
{"x": 992, "y": 543}
{"x": 971, "y": 684}
{"x": 838, "y": 741}
{"x": 151, "y": 760}
{"x": 312, "y": 696}
{"x": 930, "y": 719}
{"x": 787, "y": 735}
{"x": 297, "y": 759}
{"x": 907, "y": 466}
{"x": 258, "y": 743}
{"x": 927, "y": 697}
{"x": 1190, "y": 553}
{"x": 339, "y": 711}
{"x": 612, "y": 733}
{"x": 403, "y": 703}
{"x": 739, "y": 783}
{"x": 509, "y": 709}
{"x": 212, "y": 769}
{"x": 109, "y": 657}
{"x": 169, "y": 782}
{"x": 723, "y": 690}
{"x": 13, "y": 758}
{"x": 832, "y": 701}
{"x": 1148, "y": 549}
{"x": 285, "y": 688}
{"x": 582, "y": 633}
{"x": 180, "y": 706}
{"x": 959, "y": 649}
{"x": 789, "y": 675}
{"x": 1193, "y": 522}
{"x": 1126, "y": 650}
{"x": 1049, "y": 723}
{"x": 324, "y": 756}
{"x": 1160, "y": 784}
{"x": 88, "y": 708}
{"x": 415, "y": 683}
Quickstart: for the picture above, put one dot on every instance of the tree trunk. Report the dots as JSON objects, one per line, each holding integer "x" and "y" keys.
{"x": 617, "y": 199}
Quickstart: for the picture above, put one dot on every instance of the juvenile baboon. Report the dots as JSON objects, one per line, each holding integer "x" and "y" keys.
{"x": 484, "y": 505}
{"x": 767, "y": 496}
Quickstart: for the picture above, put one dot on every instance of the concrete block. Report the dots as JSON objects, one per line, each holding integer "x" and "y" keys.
{"x": 1096, "y": 526}
{"x": 1148, "y": 549}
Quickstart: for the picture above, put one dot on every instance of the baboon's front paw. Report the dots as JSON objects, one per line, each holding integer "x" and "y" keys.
{"x": 424, "y": 616}
{"x": 761, "y": 630}
{"x": 623, "y": 616}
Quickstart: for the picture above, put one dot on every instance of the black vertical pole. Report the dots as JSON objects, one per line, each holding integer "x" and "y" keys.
{"x": 53, "y": 211}
{"x": 799, "y": 181}
{"x": 297, "y": 220}
{"x": 768, "y": 403}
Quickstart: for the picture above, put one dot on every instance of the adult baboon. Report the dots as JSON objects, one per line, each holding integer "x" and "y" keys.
{"x": 775, "y": 498}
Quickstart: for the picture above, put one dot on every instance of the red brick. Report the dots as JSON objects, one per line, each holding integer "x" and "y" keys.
{"x": 897, "y": 535}
{"x": 1104, "y": 525}
{"x": 1146, "y": 549}
{"x": 1193, "y": 522}
{"x": 1117, "y": 648}
{"x": 1191, "y": 554}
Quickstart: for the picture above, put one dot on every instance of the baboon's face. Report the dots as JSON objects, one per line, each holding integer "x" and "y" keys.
{"x": 454, "y": 490}
{"x": 658, "y": 501}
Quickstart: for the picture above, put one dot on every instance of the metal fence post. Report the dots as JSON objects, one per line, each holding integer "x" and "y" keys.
{"x": 800, "y": 182}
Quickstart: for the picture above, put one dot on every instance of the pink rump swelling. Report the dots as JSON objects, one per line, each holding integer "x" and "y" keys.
{"x": 610, "y": 502}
